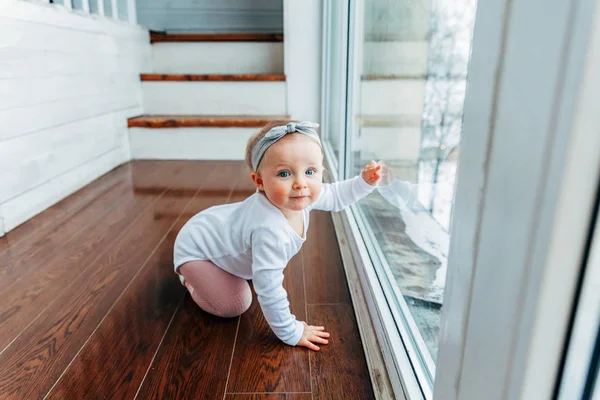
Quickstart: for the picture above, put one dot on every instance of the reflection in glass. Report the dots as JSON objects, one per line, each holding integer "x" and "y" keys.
{"x": 412, "y": 88}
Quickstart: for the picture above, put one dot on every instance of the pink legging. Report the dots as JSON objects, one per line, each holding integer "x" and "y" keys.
{"x": 216, "y": 291}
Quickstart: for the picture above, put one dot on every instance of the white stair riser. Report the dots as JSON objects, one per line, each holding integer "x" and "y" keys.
{"x": 190, "y": 143}
{"x": 392, "y": 97}
{"x": 214, "y": 98}
{"x": 395, "y": 58}
{"x": 218, "y": 58}
{"x": 389, "y": 143}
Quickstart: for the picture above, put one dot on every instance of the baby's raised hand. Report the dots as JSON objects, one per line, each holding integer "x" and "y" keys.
{"x": 372, "y": 173}
{"x": 311, "y": 335}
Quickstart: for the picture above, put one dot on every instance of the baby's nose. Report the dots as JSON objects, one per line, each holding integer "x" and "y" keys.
{"x": 299, "y": 184}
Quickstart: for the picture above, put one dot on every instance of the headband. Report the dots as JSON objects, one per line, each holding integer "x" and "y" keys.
{"x": 270, "y": 138}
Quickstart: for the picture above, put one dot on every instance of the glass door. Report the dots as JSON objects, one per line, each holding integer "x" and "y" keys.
{"x": 406, "y": 81}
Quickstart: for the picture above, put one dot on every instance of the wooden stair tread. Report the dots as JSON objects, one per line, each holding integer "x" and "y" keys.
{"x": 212, "y": 77}
{"x": 192, "y": 121}
{"x": 215, "y": 37}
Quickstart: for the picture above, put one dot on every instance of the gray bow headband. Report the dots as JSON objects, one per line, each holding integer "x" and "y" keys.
{"x": 270, "y": 138}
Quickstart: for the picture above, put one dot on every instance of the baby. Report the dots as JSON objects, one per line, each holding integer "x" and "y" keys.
{"x": 222, "y": 247}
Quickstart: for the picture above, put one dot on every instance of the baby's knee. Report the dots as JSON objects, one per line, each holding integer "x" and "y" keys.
{"x": 240, "y": 304}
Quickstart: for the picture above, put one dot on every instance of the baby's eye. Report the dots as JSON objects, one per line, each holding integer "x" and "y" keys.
{"x": 310, "y": 172}
{"x": 283, "y": 174}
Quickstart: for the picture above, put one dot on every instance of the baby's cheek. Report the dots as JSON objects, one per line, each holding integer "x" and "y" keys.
{"x": 280, "y": 192}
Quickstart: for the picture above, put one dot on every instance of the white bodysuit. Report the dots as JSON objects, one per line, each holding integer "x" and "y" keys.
{"x": 252, "y": 239}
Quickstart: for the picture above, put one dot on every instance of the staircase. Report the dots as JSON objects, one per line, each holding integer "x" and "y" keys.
{"x": 207, "y": 94}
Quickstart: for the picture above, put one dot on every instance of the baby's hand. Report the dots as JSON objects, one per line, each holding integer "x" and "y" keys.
{"x": 313, "y": 334}
{"x": 372, "y": 173}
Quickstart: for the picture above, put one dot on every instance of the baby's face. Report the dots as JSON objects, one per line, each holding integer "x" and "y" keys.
{"x": 291, "y": 173}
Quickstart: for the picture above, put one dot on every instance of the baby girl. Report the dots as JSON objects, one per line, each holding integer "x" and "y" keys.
{"x": 222, "y": 247}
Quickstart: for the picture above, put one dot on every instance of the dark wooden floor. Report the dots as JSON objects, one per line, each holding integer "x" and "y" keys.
{"x": 90, "y": 307}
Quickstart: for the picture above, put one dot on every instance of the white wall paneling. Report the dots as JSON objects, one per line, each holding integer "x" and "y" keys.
{"x": 22, "y": 11}
{"x": 19, "y": 34}
{"x": 218, "y": 58}
{"x": 218, "y": 97}
{"x": 28, "y": 161}
{"x": 29, "y": 204}
{"x": 18, "y": 121}
{"x": 210, "y": 16}
{"x": 302, "y": 57}
{"x": 64, "y": 102}
{"x": 189, "y": 143}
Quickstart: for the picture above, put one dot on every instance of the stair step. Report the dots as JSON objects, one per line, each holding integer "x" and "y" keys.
{"x": 218, "y": 58}
{"x": 214, "y": 98}
{"x": 156, "y": 37}
{"x": 201, "y": 121}
{"x": 213, "y": 77}
{"x": 194, "y": 143}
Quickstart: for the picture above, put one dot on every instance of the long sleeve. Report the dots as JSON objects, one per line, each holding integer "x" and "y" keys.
{"x": 339, "y": 195}
{"x": 269, "y": 258}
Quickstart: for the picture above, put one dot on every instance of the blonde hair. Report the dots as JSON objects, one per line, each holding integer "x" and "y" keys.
{"x": 254, "y": 138}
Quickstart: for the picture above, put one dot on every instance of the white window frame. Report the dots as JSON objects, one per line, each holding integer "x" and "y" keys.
{"x": 525, "y": 194}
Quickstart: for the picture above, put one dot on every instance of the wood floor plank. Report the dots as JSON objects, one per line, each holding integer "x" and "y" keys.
{"x": 105, "y": 318}
{"x": 339, "y": 370}
{"x": 261, "y": 362}
{"x": 193, "y": 360}
{"x": 27, "y": 259}
{"x": 33, "y": 363}
{"x": 270, "y": 396}
{"x": 47, "y": 231}
{"x": 134, "y": 337}
{"x": 325, "y": 277}
{"x": 26, "y": 299}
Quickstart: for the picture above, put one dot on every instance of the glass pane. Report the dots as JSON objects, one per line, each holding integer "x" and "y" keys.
{"x": 94, "y": 6}
{"x": 107, "y": 8}
{"x": 335, "y": 97}
{"x": 122, "y": 9}
{"x": 412, "y": 88}
{"x": 77, "y": 4}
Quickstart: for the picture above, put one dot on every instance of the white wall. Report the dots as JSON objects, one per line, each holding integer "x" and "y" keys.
{"x": 68, "y": 83}
{"x": 211, "y": 16}
{"x": 302, "y": 58}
